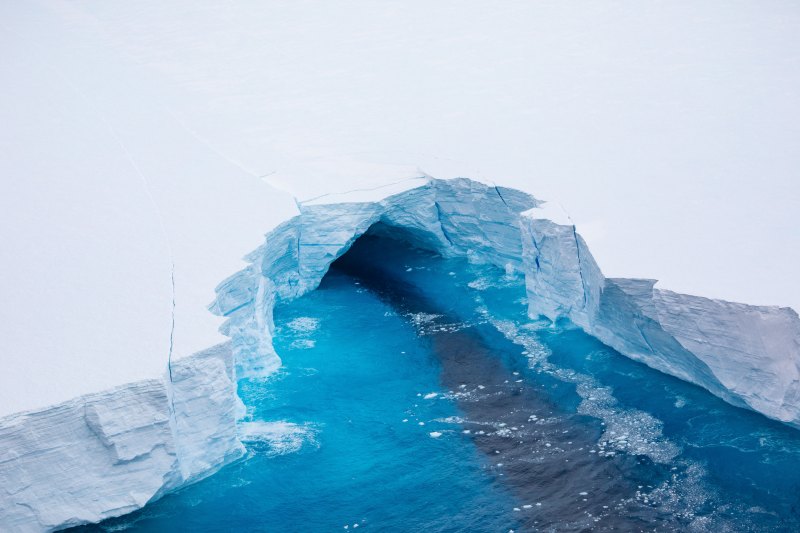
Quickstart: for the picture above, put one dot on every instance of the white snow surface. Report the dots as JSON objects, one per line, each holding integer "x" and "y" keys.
{"x": 108, "y": 199}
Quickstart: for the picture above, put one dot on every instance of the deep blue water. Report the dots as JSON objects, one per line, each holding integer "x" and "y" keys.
{"x": 416, "y": 395}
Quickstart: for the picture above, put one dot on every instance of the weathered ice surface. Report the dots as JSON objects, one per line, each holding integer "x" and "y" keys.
{"x": 747, "y": 355}
{"x": 106, "y": 454}
{"x": 109, "y": 453}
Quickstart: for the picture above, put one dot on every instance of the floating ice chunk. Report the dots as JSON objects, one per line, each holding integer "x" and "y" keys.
{"x": 279, "y": 437}
{"x": 422, "y": 318}
{"x": 435, "y": 434}
{"x": 303, "y": 324}
{"x": 304, "y": 344}
{"x": 480, "y": 284}
{"x": 430, "y": 395}
{"x": 450, "y": 420}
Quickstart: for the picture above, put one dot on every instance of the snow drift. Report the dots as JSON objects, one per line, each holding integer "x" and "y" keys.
{"x": 110, "y": 453}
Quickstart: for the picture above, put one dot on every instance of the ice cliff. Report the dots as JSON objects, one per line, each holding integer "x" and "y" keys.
{"x": 109, "y": 453}
{"x": 747, "y": 355}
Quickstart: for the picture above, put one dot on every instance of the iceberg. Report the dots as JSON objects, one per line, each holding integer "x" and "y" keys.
{"x": 143, "y": 157}
{"x": 109, "y": 453}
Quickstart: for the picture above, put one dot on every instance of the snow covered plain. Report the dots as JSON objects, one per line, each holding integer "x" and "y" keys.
{"x": 147, "y": 148}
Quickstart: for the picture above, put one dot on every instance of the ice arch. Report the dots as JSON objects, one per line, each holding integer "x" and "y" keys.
{"x": 454, "y": 217}
{"x": 746, "y": 355}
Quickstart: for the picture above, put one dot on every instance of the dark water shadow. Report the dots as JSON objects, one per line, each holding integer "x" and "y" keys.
{"x": 538, "y": 450}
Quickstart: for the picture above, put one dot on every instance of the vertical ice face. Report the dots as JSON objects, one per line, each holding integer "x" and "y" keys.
{"x": 747, "y": 355}
{"x": 110, "y": 453}
{"x": 88, "y": 459}
{"x": 561, "y": 276}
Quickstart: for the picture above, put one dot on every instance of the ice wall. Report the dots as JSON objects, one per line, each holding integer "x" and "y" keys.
{"x": 110, "y": 453}
{"x": 747, "y": 355}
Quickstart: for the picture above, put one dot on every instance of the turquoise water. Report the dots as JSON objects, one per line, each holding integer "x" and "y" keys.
{"x": 415, "y": 395}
